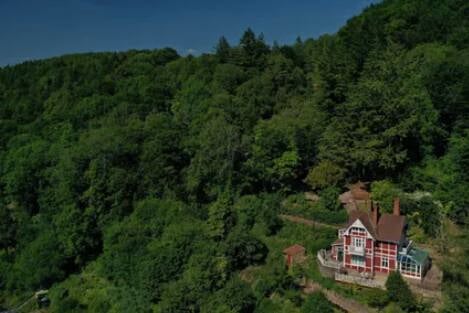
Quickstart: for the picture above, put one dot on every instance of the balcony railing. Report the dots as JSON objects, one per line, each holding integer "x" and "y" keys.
{"x": 405, "y": 250}
{"x": 357, "y": 250}
{"x": 324, "y": 259}
{"x": 364, "y": 281}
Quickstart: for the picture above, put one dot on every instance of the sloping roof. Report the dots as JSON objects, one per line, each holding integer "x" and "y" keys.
{"x": 356, "y": 192}
{"x": 346, "y": 197}
{"x": 420, "y": 256}
{"x": 294, "y": 250}
{"x": 414, "y": 255}
{"x": 358, "y": 184}
{"x": 365, "y": 218}
{"x": 390, "y": 227}
{"x": 339, "y": 241}
{"x": 360, "y": 194}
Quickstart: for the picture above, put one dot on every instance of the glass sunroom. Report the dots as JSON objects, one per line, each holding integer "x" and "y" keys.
{"x": 414, "y": 263}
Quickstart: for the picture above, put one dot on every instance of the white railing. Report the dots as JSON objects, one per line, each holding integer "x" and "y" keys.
{"x": 322, "y": 258}
{"x": 406, "y": 249}
{"x": 363, "y": 281}
{"x": 357, "y": 250}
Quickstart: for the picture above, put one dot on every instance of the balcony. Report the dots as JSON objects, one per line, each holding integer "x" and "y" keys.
{"x": 357, "y": 250}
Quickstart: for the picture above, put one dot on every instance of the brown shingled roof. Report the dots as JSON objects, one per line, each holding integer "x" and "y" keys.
{"x": 365, "y": 218}
{"x": 360, "y": 194}
{"x": 294, "y": 250}
{"x": 390, "y": 227}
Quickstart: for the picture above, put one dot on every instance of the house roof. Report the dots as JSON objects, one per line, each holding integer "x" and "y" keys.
{"x": 360, "y": 194}
{"x": 294, "y": 250}
{"x": 339, "y": 241}
{"x": 365, "y": 218}
{"x": 390, "y": 227}
{"x": 416, "y": 255}
{"x": 346, "y": 197}
{"x": 356, "y": 191}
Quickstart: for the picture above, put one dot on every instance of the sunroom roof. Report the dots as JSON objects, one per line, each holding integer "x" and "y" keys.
{"x": 415, "y": 254}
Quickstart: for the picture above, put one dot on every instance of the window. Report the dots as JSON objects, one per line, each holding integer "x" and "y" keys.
{"x": 385, "y": 262}
{"x": 358, "y": 242}
{"x": 408, "y": 267}
{"x": 358, "y": 260}
{"x": 358, "y": 231}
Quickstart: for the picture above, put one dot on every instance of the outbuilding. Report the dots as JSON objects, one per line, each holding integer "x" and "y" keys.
{"x": 294, "y": 254}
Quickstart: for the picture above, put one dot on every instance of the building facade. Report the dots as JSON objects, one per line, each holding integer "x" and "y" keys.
{"x": 377, "y": 243}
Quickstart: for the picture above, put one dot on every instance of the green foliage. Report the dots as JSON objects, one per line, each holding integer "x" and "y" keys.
{"x": 329, "y": 199}
{"x": 392, "y": 308}
{"x": 399, "y": 292}
{"x": 220, "y": 218}
{"x": 40, "y": 264}
{"x": 430, "y": 216}
{"x": 376, "y": 298}
{"x": 325, "y": 174}
{"x": 243, "y": 250}
{"x": 298, "y": 205}
{"x": 234, "y": 297}
{"x": 317, "y": 302}
{"x": 385, "y": 192}
{"x": 145, "y": 181}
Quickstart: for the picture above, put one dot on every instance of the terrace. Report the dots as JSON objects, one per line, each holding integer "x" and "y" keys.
{"x": 333, "y": 269}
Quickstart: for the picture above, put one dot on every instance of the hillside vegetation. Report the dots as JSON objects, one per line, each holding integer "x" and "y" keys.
{"x": 145, "y": 181}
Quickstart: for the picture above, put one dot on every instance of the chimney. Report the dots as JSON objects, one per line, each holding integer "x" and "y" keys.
{"x": 374, "y": 213}
{"x": 396, "y": 210}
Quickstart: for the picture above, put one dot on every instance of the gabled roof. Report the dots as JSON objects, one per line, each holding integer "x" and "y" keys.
{"x": 294, "y": 250}
{"x": 390, "y": 227}
{"x": 365, "y": 218}
{"x": 360, "y": 194}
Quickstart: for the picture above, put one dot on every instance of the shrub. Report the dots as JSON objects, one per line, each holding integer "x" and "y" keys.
{"x": 317, "y": 303}
{"x": 399, "y": 292}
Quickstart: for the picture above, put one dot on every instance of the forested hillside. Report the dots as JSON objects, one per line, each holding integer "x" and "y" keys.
{"x": 145, "y": 181}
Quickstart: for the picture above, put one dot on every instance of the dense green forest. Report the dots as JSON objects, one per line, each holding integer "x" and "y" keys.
{"x": 144, "y": 181}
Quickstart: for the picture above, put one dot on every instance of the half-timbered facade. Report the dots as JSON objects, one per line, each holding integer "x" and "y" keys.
{"x": 377, "y": 243}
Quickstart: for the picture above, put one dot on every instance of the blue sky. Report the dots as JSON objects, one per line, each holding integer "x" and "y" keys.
{"x": 37, "y": 29}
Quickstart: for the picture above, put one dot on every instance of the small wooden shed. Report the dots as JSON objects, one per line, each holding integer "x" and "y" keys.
{"x": 294, "y": 254}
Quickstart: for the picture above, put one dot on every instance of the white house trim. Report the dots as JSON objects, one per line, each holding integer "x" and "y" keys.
{"x": 359, "y": 224}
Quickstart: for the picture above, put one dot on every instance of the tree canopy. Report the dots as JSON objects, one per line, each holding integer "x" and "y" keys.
{"x": 149, "y": 180}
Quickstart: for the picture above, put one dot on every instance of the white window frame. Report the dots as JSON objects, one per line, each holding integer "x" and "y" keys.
{"x": 384, "y": 262}
{"x": 358, "y": 242}
{"x": 355, "y": 261}
{"x": 359, "y": 230}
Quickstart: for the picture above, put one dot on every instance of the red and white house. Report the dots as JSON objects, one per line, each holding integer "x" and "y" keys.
{"x": 377, "y": 243}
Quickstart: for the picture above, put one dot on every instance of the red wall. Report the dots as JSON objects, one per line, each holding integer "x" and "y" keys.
{"x": 385, "y": 249}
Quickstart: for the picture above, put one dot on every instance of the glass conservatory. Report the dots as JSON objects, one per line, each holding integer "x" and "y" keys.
{"x": 413, "y": 263}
